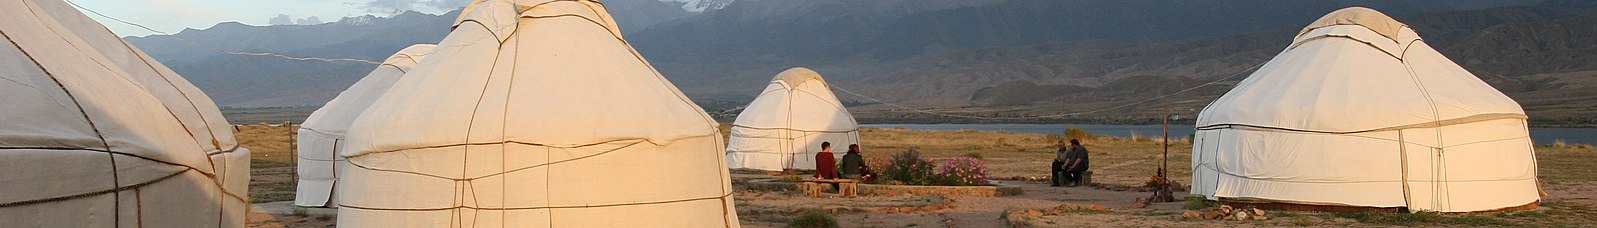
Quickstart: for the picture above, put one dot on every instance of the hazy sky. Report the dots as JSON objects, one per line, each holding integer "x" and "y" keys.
{"x": 175, "y": 15}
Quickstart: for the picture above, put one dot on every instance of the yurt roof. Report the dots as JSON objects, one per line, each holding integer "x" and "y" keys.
{"x": 787, "y": 103}
{"x": 1344, "y": 75}
{"x": 1369, "y": 18}
{"x": 596, "y": 13}
{"x": 797, "y": 76}
{"x": 409, "y": 56}
{"x": 581, "y": 127}
{"x": 89, "y": 115}
{"x": 334, "y": 118}
{"x": 86, "y": 81}
{"x": 577, "y": 53}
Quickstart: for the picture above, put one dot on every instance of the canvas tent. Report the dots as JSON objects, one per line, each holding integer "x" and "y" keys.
{"x": 95, "y": 133}
{"x": 784, "y": 127}
{"x": 1360, "y": 113}
{"x": 323, "y": 132}
{"x": 534, "y": 114}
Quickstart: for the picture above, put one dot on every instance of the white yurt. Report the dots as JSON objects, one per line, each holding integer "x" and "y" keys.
{"x": 1360, "y": 113}
{"x": 95, "y": 133}
{"x": 784, "y": 127}
{"x": 534, "y": 114}
{"x": 323, "y": 132}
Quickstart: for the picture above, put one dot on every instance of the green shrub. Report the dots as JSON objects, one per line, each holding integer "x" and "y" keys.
{"x": 813, "y": 218}
{"x": 910, "y": 168}
{"x": 1422, "y": 218}
{"x": 1077, "y": 133}
{"x": 791, "y": 178}
{"x": 1196, "y": 203}
{"x": 1303, "y": 222}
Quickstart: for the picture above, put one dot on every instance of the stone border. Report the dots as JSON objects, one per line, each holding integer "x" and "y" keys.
{"x": 878, "y": 189}
{"x": 1022, "y": 217}
{"x": 836, "y": 209}
{"x": 982, "y": 191}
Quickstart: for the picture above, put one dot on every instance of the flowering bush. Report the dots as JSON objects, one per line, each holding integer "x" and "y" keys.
{"x": 908, "y": 167}
{"x": 963, "y": 171}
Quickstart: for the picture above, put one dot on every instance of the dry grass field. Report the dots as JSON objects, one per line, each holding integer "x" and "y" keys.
{"x": 1118, "y": 161}
{"x": 1568, "y": 173}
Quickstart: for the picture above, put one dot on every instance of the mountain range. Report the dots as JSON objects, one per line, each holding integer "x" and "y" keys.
{"x": 993, "y": 57}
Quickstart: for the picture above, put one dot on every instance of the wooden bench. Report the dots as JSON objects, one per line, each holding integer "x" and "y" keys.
{"x": 847, "y": 187}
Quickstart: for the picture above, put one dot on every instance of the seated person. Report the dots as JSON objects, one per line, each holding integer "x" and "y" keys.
{"x": 1077, "y": 163}
{"x": 853, "y": 166}
{"x": 1056, "y": 171}
{"x": 825, "y": 163}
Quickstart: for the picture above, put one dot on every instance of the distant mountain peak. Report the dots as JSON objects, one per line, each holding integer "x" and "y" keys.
{"x": 358, "y": 20}
{"x": 255, "y": 81}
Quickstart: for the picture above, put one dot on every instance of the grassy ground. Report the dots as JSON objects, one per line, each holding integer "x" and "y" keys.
{"x": 266, "y": 115}
{"x": 1567, "y": 172}
{"x": 271, "y": 167}
{"x": 1118, "y": 161}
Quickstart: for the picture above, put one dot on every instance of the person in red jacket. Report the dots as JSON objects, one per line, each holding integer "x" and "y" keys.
{"x": 825, "y": 163}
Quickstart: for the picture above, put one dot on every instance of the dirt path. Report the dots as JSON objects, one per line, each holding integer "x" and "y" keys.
{"x": 988, "y": 211}
{"x": 1122, "y": 164}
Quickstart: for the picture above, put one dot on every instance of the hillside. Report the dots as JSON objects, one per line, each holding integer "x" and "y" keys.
{"x": 729, "y": 52}
{"x": 252, "y": 81}
{"x": 1547, "y": 66}
{"x": 1095, "y": 63}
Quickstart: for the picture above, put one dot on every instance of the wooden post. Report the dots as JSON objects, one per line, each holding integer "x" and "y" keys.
{"x": 1165, "y": 165}
{"x": 1162, "y": 190}
{"x": 293, "y": 152}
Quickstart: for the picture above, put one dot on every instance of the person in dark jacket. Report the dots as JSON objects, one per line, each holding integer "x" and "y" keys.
{"x": 1057, "y": 170}
{"x": 1076, "y": 163}
{"x": 853, "y": 164}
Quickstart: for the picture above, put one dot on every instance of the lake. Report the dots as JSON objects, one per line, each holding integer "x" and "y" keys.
{"x": 1542, "y": 136}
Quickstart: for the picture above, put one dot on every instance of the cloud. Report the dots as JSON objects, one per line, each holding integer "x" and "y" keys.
{"x": 396, "y": 6}
{"x": 280, "y": 19}
{"x": 309, "y": 21}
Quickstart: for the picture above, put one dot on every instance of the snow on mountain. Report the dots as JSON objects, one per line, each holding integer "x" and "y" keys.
{"x": 358, "y": 21}
{"x": 697, "y": 6}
